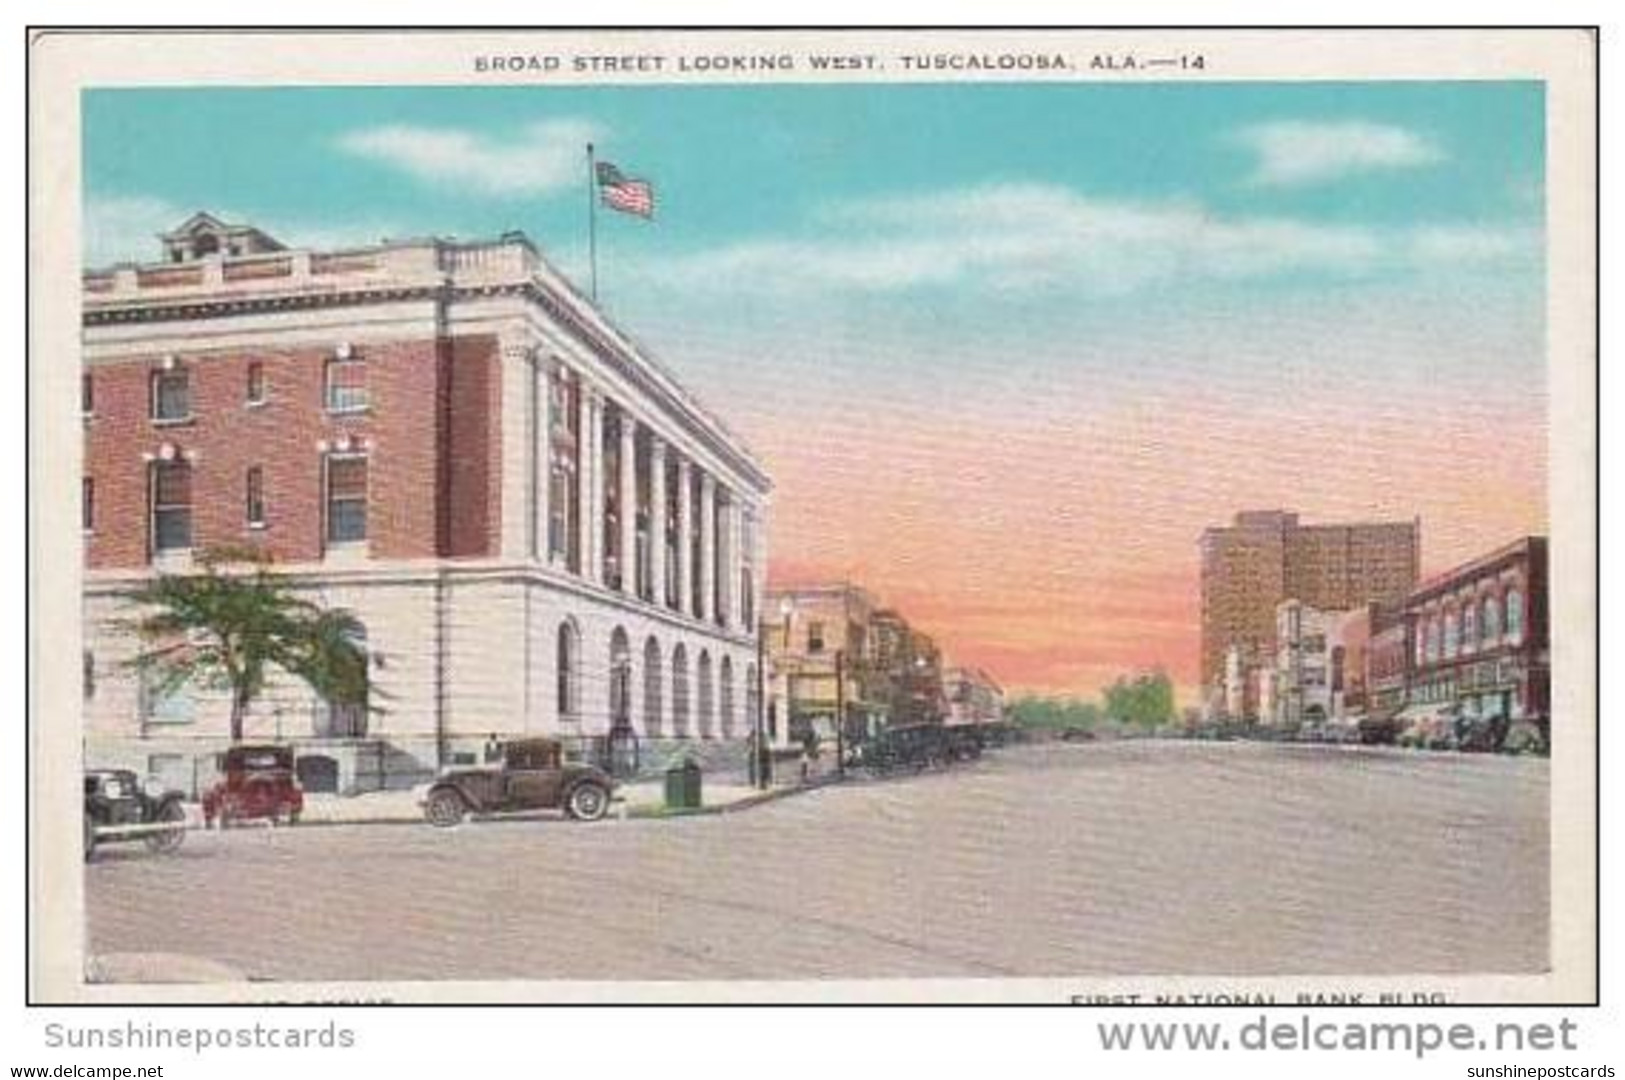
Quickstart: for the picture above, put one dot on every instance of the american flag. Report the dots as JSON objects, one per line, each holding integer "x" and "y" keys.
{"x": 623, "y": 193}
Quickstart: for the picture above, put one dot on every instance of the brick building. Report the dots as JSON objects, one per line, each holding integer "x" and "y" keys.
{"x": 540, "y": 528}
{"x": 1480, "y": 639}
{"x": 1266, "y": 557}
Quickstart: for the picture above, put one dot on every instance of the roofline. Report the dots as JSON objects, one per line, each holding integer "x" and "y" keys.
{"x": 1441, "y": 581}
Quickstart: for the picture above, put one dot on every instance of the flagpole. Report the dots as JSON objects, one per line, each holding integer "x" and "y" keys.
{"x": 592, "y": 220}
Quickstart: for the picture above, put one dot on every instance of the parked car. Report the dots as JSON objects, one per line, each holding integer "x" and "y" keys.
{"x": 257, "y": 783}
{"x": 120, "y": 807}
{"x": 963, "y": 743}
{"x": 907, "y": 746}
{"x": 1077, "y": 734}
{"x": 531, "y": 775}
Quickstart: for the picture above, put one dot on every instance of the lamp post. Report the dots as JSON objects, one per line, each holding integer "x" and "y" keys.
{"x": 840, "y": 713}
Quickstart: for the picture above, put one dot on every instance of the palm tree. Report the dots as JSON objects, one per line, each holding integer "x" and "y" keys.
{"x": 226, "y": 628}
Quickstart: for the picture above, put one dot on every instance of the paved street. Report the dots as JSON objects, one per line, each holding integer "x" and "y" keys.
{"x": 1074, "y": 859}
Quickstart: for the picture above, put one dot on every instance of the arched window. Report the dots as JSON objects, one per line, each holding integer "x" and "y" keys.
{"x": 679, "y": 692}
{"x": 1515, "y": 615}
{"x": 753, "y": 699}
{"x": 651, "y": 688}
{"x": 346, "y": 720}
{"x": 620, "y": 678}
{"x": 725, "y": 697}
{"x": 1469, "y": 627}
{"x": 569, "y": 672}
{"x": 1490, "y": 627}
{"x": 708, "y": 698}
{"x": 1452, "y": 634}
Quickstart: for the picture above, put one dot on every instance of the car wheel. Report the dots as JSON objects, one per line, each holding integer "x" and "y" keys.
{"x": 588, "y": 802}
{"x": 90, "y": 837}
{"x": 444, "y": 808}
{"x": 174, "y": 815}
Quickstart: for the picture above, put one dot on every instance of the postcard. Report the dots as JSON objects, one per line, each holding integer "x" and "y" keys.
{"x": 1088, "y": 516}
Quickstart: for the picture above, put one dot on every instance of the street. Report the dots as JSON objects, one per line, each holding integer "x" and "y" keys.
{"x": 1067, "y": 859}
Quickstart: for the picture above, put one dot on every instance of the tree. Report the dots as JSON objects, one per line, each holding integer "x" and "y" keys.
{"x": 1146, "y": 701}
{"x": 227, "y": 627}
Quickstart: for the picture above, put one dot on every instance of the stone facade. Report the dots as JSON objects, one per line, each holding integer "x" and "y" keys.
{"x": 540, "y": 528}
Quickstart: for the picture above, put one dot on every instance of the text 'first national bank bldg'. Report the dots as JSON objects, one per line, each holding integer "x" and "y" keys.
{"x": 540, "y": 529}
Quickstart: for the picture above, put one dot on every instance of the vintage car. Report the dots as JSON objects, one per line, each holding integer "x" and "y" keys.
{"x": 119, "y": 806}
{"x": 256, "y": 784}
{"x": 907, "y": 746}
{"x": 532, "y": 775}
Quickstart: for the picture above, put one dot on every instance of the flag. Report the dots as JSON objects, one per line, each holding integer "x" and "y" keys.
{"x": 624, "y": 193}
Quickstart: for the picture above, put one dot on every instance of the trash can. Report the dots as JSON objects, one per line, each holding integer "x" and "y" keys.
{"x": 683, "y": 786}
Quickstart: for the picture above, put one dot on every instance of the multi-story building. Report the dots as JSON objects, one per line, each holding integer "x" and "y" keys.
{"x": 1266, "y": 557}
{"x": 1303, "y": 665}
{"x": 1480, "y": 640}
{"x": 907, "y": 670}
{"x": 540, "y": 528}
{"x": 820, "y": 659}
{"x": 1387, "y": 668}
{"x": 973, "y": 696}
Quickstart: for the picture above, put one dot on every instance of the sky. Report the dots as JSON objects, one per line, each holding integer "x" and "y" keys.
{"x": 1005, "y": 349}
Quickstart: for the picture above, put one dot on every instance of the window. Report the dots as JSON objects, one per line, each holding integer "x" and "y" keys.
{"x": 568, "y": 681}
{"x": 815, "y": 637}
{"x": 254, "y": 497}
{"x": 87, "y": 394}
{"x": 171, "y": 396}
{"x": 87, "y": 504}
{"x": 346, "y": 500}
{"x": 256, "y": 383}
{"x": 171, "y": 506}
{"x": 1492, "y": 620}
{"x": 347, "y": 719}
{"x": 1452, "y": 634}
{"x": 174, "y": 705}
{"x": 1514, "y": 615}
{"x": 558, "y": 511}
{"x": 346, "y": 385}
{"x": 1469, "y": 627}
{"x": 88, "y": 675}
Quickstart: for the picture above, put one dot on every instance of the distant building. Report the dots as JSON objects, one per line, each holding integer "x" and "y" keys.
{"x": 1303, "y": 675}
{"x": 821, "y": 657}
{"x": 908, "y": 666}
{"x": 1480, "y": 640}
{"x": 972, "y": 696}
{"x": 1266, "y": 557}
{"x": 1349, "y": 643}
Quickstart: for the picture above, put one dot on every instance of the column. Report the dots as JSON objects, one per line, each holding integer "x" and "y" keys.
{"x": 657, "y": 519}
{"x": 629, "y": 504}
{"x": 541, "y": 458}
{"x": 587, "y": 483}
{"x": 685, "y": 550}
{"x": 708, "y": 545}
{"x": 734, "y": 565}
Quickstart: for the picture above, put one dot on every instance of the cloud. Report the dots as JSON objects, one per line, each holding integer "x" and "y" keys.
{"x": 1292, "y": 153}
{"x": 539, "y": 159}
{"x": 126, "y": 228}
{"x": 1028, "y": 238}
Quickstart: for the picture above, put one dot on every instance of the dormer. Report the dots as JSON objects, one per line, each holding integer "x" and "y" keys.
{"x": 203, "y": 234}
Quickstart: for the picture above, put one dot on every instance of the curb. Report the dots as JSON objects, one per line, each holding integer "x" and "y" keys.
{"x": 646, "y": 812}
